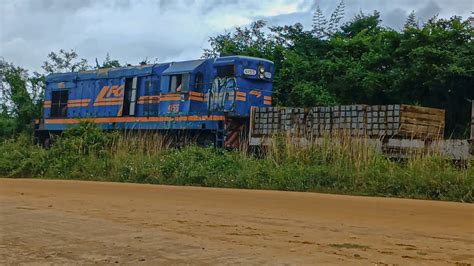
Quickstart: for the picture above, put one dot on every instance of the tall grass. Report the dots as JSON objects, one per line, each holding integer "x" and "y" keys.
{"x": 335, "y": 164}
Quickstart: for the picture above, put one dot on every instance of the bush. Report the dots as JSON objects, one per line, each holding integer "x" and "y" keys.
{"x": 335, "y": 165}
{"x": 19, "y": 157}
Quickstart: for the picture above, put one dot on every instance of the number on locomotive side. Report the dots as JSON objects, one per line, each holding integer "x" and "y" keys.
{"x": 250, "y": 72}
{"x": 173, "y": 108}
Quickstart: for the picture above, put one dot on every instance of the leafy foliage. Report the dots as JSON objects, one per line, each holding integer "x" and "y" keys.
{"x": 363, "y": 62}
{"x": 107, "y": 63}
{"x": 64, "y": 61}
{"x": 334, "y": 165}
{"x": 323, "y": 28}
{"x": 20, "y": 99}
{"x": 335, "y": 19}
{"x": 319, "y": 23}
{"x": 411, "y": 21}
{"x": 250, "y": 41}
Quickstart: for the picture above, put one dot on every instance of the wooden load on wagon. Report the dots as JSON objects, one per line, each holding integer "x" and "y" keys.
{"x": 392, "y": 121}
{"x": 423, "y": 122}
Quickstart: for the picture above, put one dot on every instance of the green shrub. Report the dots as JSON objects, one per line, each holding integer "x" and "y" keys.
{"x": 334, "y": 165}
{"x": 19, "y": 157}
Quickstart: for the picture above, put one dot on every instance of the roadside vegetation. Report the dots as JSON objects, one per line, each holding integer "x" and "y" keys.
{"x": 333, "y": 62}
{"x": 335, "y": 165}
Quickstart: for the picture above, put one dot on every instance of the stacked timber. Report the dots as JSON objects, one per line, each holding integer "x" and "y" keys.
{"x": 376, "y": 121}
{"x": 349, "y": 119}
{"x": 266, "y": 121}
{"x": 318, "y": 121}
{"x": 405, "y": 121}
{"x": 421, "y": 122}
{"x": 293, "y": 121}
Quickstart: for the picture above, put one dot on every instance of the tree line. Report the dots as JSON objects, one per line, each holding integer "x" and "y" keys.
{"x": 362, "y": 61}
{"x": 359, "y": 61}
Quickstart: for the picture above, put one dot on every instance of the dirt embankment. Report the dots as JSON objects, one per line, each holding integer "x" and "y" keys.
{"x": 91, "y": 222}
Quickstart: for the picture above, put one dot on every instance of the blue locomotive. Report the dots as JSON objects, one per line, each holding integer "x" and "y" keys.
{"x": 207, "y": 98}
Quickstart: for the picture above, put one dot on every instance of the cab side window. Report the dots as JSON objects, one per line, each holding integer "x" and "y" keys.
{"x": 179, "y": 83}
{"x": 176, "y": 83}
{"x": 199, "y": 82}
{"x": 59, "y": 103}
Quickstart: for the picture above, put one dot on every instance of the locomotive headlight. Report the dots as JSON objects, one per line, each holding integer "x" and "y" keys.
{"x": 261, "y": 75}
{"x": 261, "y": 69}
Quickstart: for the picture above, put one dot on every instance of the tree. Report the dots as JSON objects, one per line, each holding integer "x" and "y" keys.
{"x": 64, "y": 61}
{"x": 308, "y": 94}
{"x": 364, "y": 62}
{"x": 21, "y": 97}
{"x": 107, "y": 63}
{"x": 435, "y": 67}
{"x": 144, "y": 61}
{"x": 362, "y": 22}
{"x": 335, "y": 20}
{"x": 324, "y": 29}
{"x": 319, "y": 23}
{"x": 411, "y": 21}
{"x": 250, "y": 41}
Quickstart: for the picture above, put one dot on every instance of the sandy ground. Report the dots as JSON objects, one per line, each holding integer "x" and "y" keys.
{"x": 74, "y": 222}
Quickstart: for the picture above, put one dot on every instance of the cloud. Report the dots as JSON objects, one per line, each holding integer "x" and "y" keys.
{"x": 169, "y": 30}
{"x": 396, "y": 18}
{"x": 429, "y": 10}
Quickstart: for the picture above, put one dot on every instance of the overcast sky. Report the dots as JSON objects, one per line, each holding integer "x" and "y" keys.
{"x": 170, "y": 30}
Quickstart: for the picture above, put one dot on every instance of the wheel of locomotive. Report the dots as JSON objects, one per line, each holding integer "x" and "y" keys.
{"x": 206, "y": 139}
{"x": 47, "y": 142}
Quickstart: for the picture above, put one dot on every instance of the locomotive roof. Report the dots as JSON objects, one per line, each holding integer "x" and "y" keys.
{"x": 141, "y": 70}
{"x": 233, "y": 57}
{"x": 183, "y": 67}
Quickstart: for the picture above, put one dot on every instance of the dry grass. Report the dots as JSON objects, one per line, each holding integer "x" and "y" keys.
{"x": 336, "y": 164}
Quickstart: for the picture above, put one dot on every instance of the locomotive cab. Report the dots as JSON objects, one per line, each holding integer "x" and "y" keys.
{"x": 240, "y": 82}
{"x": 182, "y": 88}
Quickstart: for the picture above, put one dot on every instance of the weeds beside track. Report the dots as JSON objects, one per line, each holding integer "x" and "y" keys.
{"x": 332, "y": 165}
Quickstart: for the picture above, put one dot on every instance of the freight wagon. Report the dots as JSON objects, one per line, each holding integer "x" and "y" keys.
{"x": 397, "y": 130}
{"x": 209, "y": 99}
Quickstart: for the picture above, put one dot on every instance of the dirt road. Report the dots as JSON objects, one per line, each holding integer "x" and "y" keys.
{"x": 49, "y": 221}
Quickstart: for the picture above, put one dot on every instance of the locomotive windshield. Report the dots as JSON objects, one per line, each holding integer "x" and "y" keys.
{"x": 225, "y": 71}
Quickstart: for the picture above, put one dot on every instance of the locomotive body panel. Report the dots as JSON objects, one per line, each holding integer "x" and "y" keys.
{"x": 195, "y": 95}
